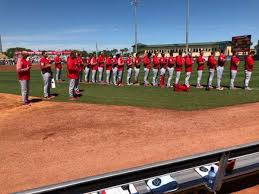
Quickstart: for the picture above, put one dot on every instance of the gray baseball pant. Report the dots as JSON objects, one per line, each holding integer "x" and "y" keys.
{"x": 24, "y": 90}
{"x": 233, "y": 74}
{"x": 58, "y": 74}
{"x": 219, "y": 75}
{"x": 47, "y": 83}
{"x": 71, "y": 89}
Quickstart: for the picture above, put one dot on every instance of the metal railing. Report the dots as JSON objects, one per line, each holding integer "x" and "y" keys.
{"x": 131, "y": 175}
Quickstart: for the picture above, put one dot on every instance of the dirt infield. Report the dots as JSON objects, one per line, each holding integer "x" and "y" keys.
{"x": 52, "y": 142}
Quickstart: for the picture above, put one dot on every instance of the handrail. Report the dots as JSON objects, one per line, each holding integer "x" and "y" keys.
{"x": 130, "y": 175}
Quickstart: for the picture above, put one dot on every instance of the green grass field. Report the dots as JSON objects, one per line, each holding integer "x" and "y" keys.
{"x": 147, "y": 96}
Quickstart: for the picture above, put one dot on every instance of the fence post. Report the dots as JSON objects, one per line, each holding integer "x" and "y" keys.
{"x": 221, "y": 171}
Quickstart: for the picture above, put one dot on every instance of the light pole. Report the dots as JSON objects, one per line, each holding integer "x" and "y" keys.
{"x": 135, "y": 4}
{"x": 187, "y": 25}
{"x": 1, "y": 48}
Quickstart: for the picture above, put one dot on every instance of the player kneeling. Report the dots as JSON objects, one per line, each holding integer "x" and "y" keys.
{"x": 249, "y": 65}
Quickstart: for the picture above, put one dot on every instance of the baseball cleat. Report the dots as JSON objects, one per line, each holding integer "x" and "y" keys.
{"x": 220, "y": 88}
{"x": 247, "y": 88}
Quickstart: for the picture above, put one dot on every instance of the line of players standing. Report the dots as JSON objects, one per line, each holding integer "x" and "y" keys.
{"x": 114, "y": 66}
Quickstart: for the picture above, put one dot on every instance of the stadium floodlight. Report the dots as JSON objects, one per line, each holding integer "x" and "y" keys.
{"x": 187, "y": 24}
{"x": 1, "y": 48}
{"x": 135, "y": 5}
{"x": 96, "y": 47}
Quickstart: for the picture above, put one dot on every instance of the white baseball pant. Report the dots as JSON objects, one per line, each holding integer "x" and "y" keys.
{"x": 146, "y": 72}
{"x": 170, "y": 77}
{"x": 108, "y": 76}
{"x": 100, "y": 70}
{"x": 87, "y": 71}
{"x": 233, "y": 74}
{"x": 114, "y": 75}
{"x": 219, "y": 75}
{"x": 178, "y": 74}
{"x": 187, "y": 78}
{"x": 210, "y": 77}
{"x": 199, "y": 72}
{"x": 129, "y": 72}
{"x": 248, "y": 75}
{"x": 154, "y": 80}
{"x": 93, "y": 76}
{"x": 136, "y": 71}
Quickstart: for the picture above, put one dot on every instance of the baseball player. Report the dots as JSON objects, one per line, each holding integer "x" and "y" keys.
{"x": 23, "y": 68}
{"x": 94, "y": 68}
{"x": 188, "y": 68}
{"x": 233, "y": 70}
{"x": 212, "y": 66}
{"x": 147, "y": 66}
{"x": 72, "y": 74}
{"x": 80, "y": 65}
{"x": 137, "y": 62}
{"x": 156, "y": 65}
{"x": 121, "y": 63}
{"x": 200, "y": 68}
{"x": 249, "y": 65}
{"x": 87, "y": 68}
{"x": 163, "y": 66}
{"x": 179, "y": 66}
{"x": 108, "y": 63}
{"x": 115, "y": 69}
{"x": 170, "y": 69}
{"x": 129, "y": 70}
{"x": 100, "y": 61}
{"x": 220, "y": 69}
{"x": 58, "y": 67}
{"x": 46, "y": 75}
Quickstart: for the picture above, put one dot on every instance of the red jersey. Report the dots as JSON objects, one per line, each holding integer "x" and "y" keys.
{"x": 72, "y": 68}
{"x": 57, "y": 61}
{"x": 108, "y": 62}
{"x": 171, "y": 61}
{"x": 179, "y": 63}
{"x": 22, "y": 64}
{"x": 94, "y": 64}
{"x": 212, "y": 62}
{"x": 234, "y": 62}
{"x": 221, "y": 60}
{"x": 137, "y": 61}
{"x": 188, "y": 64}
{"x": 45, "y": 62}
{"x": 147, "y": 62}
{"x": 120, "y": 64}
{"x": 80, "y": 63}
{"x": 200, "y": 62}
{"x": 100, "y": 61}
{"x": 114, "y": 62}
{"x": 249, "y": 63}
{"x": 156, "y": 62}
{"x": 129, "y": 62}
{"x": 163, "y": 62}
{"x": 88, "y": 61}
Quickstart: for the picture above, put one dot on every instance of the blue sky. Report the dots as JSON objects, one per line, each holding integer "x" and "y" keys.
{"x": 78, "y": 24}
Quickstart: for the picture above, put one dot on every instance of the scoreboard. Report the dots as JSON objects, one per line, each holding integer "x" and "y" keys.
{"x": 241, "y": 43}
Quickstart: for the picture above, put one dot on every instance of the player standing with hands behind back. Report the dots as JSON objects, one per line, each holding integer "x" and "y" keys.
{"x": 23, "y": 68}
